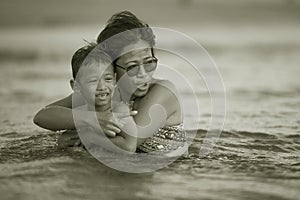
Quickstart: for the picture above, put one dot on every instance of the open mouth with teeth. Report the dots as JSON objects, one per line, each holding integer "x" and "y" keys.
{"x": 142, "y": 86}
{"x": 102, "y": 96}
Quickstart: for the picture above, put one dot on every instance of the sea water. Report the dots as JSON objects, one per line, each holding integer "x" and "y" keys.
{"x": 256, "y": 157}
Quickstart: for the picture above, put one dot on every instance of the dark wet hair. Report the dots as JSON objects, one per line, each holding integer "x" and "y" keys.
{"x": 135, "y": 30}
{"x": 86, "y": 55}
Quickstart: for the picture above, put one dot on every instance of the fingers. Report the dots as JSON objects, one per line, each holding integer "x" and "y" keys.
{"x": 77, "y": 143}
{"x": 113, "y": 128}
{"x": 67, "y": 138}
{"x": 133, "y": 112}
{"x": 126, "y": 114}
{"x": 74, "y": 137}
{"x": 122, "y": 115}
{"x": 121, "y": 123}
{"x": 110, "y": 133}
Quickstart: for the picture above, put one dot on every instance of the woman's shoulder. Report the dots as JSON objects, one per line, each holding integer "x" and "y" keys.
{"x": 165, "y": 87}
{"x": 162, "y": 82}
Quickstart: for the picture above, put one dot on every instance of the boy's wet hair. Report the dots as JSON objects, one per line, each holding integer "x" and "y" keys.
{"x": 87, "y": 55}
{"x": 135, "y": 30}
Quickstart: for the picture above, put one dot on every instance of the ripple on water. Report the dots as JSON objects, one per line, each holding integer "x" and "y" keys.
{"x": 239, "y": 162}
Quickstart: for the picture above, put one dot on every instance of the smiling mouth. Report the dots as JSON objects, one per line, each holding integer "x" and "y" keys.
{"x": 142, "y": 86}
{"x": 102, "y": 96}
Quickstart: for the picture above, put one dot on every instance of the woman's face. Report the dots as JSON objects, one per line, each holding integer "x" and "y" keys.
{"x": 137, "y": 81}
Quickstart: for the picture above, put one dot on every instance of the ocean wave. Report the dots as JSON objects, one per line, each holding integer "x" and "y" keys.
{"x": 237, "y": 157}
{"x": 16, "y": 146}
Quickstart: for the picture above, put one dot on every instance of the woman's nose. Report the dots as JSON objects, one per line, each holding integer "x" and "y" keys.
{"x": 142, "y": 72}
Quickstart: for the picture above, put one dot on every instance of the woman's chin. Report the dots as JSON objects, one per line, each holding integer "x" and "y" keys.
{"x": 140, "y": 92}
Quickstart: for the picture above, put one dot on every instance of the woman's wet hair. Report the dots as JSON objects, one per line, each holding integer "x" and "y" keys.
{"x": 113, "y": 42}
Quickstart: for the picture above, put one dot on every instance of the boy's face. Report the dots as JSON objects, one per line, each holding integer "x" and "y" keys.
{"x": 96, "y": 89}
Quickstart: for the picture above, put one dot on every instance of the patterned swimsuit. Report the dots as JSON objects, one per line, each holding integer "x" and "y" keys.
{"x": 166, "y": 139}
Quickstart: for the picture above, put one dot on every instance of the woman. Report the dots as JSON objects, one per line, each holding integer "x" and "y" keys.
{"x": 130, "y": 43}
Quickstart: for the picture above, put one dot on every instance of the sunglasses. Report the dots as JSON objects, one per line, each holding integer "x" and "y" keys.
{"x": 133, "y": 69}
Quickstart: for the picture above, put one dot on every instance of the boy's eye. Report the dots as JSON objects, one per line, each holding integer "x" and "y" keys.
{"x": 109, "y": 78}
{"x": 92, "y": 81}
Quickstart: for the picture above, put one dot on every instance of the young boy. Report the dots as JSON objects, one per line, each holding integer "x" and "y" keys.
{"x": 95, "y": 85}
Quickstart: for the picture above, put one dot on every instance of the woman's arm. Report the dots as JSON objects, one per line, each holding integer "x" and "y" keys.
{"x": 123, "y": 139}
{"x": 55, "y": 118}
{"x": 162, "y": 98}
{"x": 59, "y": 116}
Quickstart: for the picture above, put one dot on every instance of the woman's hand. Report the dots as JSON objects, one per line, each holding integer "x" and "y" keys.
{"x": 108, "y": 123}
{"x": 111, "y": 122}
{"x": 68, "y": 138}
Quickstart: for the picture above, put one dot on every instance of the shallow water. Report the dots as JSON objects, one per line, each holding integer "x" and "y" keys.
{"x": 243, "y": 165}
{"x": 256, "y": 157}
